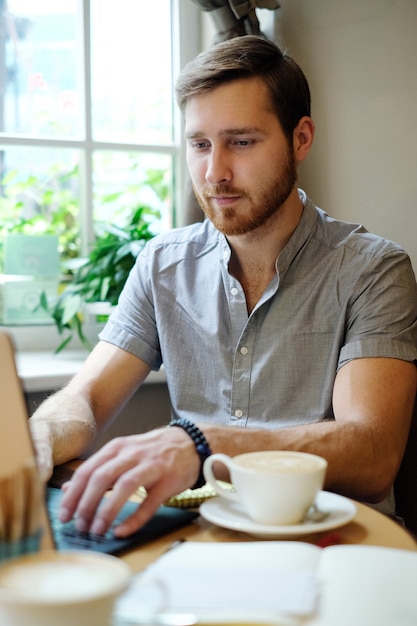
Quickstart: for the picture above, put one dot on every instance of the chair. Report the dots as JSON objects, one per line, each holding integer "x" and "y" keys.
{"x": 405, "y": 485}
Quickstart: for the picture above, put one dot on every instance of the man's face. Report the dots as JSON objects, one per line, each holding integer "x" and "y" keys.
{"x": 241, "y": 165}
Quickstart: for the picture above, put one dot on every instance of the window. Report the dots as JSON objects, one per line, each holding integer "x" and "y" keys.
{"x": 86, "y": 110}
{"x": 87, "y": 116}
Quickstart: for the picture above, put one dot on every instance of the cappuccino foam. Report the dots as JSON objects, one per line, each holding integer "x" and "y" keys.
{"x": 277, "y": 462}
{"x": 56, "y": 581}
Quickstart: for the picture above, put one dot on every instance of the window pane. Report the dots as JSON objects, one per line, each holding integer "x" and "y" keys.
{"x": 41, "y": 49}
{"x": 124, "y": 182}
{"x": 131, "y": 71}
{"x": 87, "y": 139}
{"x": 40, "y": 195}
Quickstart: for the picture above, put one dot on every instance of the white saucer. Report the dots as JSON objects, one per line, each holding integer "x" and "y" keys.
{"x": 229, "y": 514}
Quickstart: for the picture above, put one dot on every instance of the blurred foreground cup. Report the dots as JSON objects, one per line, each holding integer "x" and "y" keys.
{"x": 73, "y": 588}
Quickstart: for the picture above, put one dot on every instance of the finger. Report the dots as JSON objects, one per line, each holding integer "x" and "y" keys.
{"x": 72, "y": 491}
{"x": 127, "y": 484}
{"x": 111, "y": 505}
{"x": 89, "y": 516}
{"x": 44, "y": 460}
{"x": 77, "y": 486}
{"x": 145, "y": 511}
{"x": 45, "y": 463}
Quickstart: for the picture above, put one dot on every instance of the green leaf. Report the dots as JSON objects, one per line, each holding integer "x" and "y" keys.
{"x": 72, "y": 306}
{"x": 63, "y": 344}
{"x": 43, "y": 301}
{"x": 104, "y": 288}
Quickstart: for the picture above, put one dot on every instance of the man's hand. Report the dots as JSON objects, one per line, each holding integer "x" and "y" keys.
{"x": 163, "y": 461}
{"x": 63, "y": 428}
{"x": 41, "y": 437}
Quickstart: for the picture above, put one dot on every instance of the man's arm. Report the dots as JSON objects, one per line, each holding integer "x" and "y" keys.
{"x": 373, "y": 400}
{"x": 67, "y": 423}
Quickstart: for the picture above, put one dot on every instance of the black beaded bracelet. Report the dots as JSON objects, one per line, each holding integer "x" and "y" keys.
{"x": 200, "y": 442}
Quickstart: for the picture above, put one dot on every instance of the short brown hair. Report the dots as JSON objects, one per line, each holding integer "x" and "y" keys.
{"x": 246, "y": 57}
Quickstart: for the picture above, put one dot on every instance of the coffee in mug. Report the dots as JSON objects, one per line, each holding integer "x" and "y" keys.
{"x": 74, "y": 588}
{"x": 275, "y": 487}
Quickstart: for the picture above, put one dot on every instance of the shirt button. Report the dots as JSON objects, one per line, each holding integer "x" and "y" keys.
{"x": 244, "y": 350}
{"x": 234, "y": 291}
{"x": 238, "y": 413}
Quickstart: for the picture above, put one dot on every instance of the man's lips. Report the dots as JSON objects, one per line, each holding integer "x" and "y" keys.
{"x": 224, "y": 200}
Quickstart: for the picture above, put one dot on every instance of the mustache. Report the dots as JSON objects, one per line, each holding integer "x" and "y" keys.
{"x": 222, "y": 190}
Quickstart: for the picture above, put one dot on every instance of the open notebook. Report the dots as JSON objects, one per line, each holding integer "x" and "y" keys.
{"x": 16, "y": 448}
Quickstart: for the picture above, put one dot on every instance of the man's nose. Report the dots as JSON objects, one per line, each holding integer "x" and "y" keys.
{"x": 218, "y": 169}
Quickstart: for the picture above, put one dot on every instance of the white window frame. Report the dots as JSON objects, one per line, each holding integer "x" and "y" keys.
{"x": 186, "y": 26}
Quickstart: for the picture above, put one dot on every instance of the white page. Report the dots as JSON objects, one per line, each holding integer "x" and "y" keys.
{"x": 367, "y": 586}
{"x": 251, "y": 578}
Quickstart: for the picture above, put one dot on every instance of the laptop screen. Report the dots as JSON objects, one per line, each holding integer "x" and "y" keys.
{"x": 16, "y": 448}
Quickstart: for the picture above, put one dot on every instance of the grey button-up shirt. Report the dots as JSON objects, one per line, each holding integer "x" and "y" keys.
{"x": 339, "y": 293}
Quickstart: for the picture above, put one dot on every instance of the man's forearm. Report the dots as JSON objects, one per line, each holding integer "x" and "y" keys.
{"x": 356, "y": 468}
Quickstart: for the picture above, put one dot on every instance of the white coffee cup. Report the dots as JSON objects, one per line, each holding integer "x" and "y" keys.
{"x": 61, "y": 588}
{"x": 273, "y": 487}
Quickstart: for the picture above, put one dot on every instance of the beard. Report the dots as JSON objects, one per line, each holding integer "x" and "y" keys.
{"x": 269, "y": 199}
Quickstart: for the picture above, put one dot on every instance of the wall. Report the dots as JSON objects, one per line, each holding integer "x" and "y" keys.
{"x": 147, "y": 409}
{"x": 360, "y": 57}
{"x": 361, "y": 61}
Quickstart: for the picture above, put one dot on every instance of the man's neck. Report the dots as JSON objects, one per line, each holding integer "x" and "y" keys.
{"x": 262, "y": 246}
{"x": 254, "y": 255}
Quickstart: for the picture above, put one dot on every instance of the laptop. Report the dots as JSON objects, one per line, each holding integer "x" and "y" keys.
{"x": 16, "y": 448}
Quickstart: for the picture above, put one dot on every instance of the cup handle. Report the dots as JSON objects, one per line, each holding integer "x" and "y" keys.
{"x": 210, "y": 478}
{"x": 143, "y": 601}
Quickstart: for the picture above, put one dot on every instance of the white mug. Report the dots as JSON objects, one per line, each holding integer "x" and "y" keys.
{"x": 61, "y": 588}
{"x": 274, "y": 487}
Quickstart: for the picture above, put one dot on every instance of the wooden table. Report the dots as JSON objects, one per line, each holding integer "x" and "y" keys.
{"x": 369, "y": 527}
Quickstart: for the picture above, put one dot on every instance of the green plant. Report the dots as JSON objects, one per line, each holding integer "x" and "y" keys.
{"x": 46, "y": 205}
{"x": 101, "y": 276}
{"x": 50, "y": 205}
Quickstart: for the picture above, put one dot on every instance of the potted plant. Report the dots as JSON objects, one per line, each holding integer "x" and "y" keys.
{"x": 41, "y": 206}
{"x": 100, "y": 277}
{"x": 37, "y": 206}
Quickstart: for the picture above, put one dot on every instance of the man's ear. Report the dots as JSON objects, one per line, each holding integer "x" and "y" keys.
{"x": 303, "y": 138}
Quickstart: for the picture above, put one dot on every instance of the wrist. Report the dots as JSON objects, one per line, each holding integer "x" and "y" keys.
{"x": 200, "y": 443}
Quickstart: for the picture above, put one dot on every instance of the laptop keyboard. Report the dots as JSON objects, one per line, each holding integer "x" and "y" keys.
{"x": 82, "y": 539}
{"x": 70, "y": 534}
{"x": 67, "y": 537}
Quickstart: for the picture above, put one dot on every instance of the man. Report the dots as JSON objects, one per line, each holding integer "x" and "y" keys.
{"x": 279, "y": 327}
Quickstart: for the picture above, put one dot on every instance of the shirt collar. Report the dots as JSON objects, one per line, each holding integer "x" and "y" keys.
{"x": 305, "y": 227}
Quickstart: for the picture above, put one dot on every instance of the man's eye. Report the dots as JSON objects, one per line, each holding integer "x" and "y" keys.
{"x": 199, "y": 145}
{"x": 243, "y": 143}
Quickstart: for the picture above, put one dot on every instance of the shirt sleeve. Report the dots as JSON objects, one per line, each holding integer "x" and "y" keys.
{"x": 382, "y": 316}
{"x": 132, "y": 326}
